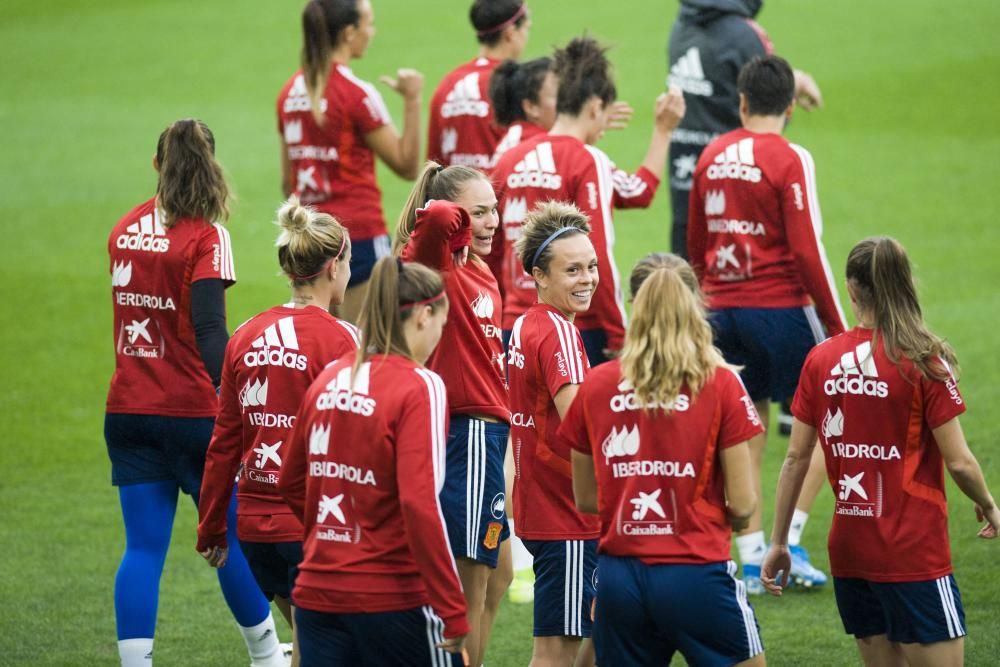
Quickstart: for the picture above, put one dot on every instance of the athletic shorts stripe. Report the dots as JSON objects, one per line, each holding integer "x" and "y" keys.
{"x": 753, "y": 636}
{"x": 475, "y": 484}
{"x": 819, "y": 335}
{"x": 439, "y": 657}
{"x": 573, "y": 595}
{"x": 955, "y": 628}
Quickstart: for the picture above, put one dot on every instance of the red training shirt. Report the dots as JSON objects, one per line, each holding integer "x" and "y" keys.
{"x": 470, "y": 356}
{"x": 270, "y": 362}
{"x": 462, "y": 130}
{"x": 661, "y": 491}
{"x": 544, "y": 355}
{"x": 754, "y": 227}
{"x": 365, "y": 464}
{"x": 158, "y": 369}
{"x": 333, "y": 167}
{"x": 875, "y": 420}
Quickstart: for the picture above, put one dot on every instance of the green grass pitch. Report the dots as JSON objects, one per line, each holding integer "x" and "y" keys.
{"x": 907, "y": 145}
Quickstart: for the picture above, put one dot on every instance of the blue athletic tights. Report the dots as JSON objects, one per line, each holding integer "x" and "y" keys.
{"x": 148, "y": 510}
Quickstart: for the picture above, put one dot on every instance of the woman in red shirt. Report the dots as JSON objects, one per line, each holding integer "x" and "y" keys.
{"x": 333, "y": 124}
{"x": 883, "y": 399}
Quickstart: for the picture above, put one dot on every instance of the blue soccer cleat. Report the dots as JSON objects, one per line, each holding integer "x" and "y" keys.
{"x": 803, "y": 573}
{"x": 751, "y": 579}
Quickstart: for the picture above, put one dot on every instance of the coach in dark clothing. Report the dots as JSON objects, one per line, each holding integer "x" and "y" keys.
{"x": 710, "y": 41}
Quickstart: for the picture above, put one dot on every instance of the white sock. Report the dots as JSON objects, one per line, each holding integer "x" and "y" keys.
{"x": 262, "y": 643}
{"x": 799, "y": 519}
{"x": 520, "y": 556}
{"x": 136, "y": 652}
{"x": 752, "y": 548}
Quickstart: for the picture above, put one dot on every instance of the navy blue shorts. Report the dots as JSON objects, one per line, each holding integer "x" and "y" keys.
{"x": 770, "y": 343}
{"x": 912, "y": 612}
{"x": 364, "y": 254}
{"x": 595, "y": 341}
{"x": 150, "y": 448}
{"x": 407, "y": 638}
{"x": 565, "y": 583}
{"x": 473, "y": 499}
{"x": 645, "y": 613}
{"x": 274, "y": 565}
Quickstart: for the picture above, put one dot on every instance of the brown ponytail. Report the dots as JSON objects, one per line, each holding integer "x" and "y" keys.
{"x": 322, "y": 23}
{"x": 435, "y": 182}
{"x": 191, "y": 183}
{"x": 880, "y": 276}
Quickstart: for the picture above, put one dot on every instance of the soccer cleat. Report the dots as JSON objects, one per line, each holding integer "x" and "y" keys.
{"x": 803, "y": 573}
{"x": 522, "y": 588}
{"x": 751, "y": 579}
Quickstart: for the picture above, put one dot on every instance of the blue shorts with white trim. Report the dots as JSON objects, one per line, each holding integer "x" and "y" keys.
{"x": 565, "y": 583}
{"x": 473, "y": 498}
{"x": 912, "y": 612}
{"x": 407, "y": 637}
{"x": 364, "y": 255}
{"x": 645, "y": 613}
{"x": 771, "y": 344}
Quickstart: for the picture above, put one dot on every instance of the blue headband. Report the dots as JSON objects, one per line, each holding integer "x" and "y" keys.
{"x": 545, "y": 244}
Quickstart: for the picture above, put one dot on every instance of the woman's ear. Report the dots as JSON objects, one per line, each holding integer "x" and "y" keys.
{"x": 541, "y": 278}
{"x": 156, "y": 164}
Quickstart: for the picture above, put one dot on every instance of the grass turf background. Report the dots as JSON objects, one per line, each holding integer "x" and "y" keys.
{"x": 907, "y": 145}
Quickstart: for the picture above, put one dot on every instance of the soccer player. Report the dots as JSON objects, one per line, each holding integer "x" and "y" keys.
{"x": 563, "y": 165}
{"x": 448, "y": 224}
{"x": 754, "y": 239}
{"x": 884, "y": 399}
{"x": 524, "y": 101}
{"x": 171, "y": 262}
{"x": 667, "y": 468}
{"x": 545, "y": 365}
{"x": 270, "y": 362}
{"x": 333, "y": 124}
{"x": 378, "y": 584}
{"x": 462, "y": 130}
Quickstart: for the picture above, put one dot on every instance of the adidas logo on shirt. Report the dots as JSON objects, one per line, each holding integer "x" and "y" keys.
{"x": 465, "y": 99}
{"x": 536, "y": 170}
{"x": 735, "y": 162}
{"x": 689, "y": 76}
{"x": 626, "y": 400}
{"x": 298, "y": 97}
{"x": 347, "y": 393}
{"x": 147, "y": 234}
{"x": 254, "y": 395}
{"x": 276, "y": 347}
{"x": 121, "y": 274}
{"x": 620, "y": 443}
{"x": 853, "y": 375}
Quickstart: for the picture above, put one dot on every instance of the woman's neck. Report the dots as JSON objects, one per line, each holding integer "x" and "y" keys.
{"x": 571, "y": 126}
{"x": 304, "y": 297}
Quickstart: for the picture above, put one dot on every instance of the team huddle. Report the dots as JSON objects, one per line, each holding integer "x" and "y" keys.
{"x": 461, "y": 396}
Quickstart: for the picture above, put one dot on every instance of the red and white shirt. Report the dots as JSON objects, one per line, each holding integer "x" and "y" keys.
{"x": 366, "y": 461}
{"x": 544, "y": 355}
{"x": 462, "y": 130}
{"x": 270, "y": 362}
{"x": 563, "y": 168}
{"x": 470, "y": 356}
{"x": 333, "y": 167}
{"x": 875, "y": 420}
{"x": 158, "y": 369}
{"x": 754, "y": 229}
{"x": 661, "y": 491}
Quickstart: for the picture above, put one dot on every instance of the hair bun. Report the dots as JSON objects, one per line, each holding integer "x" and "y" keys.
{"x": 293, "y": 216}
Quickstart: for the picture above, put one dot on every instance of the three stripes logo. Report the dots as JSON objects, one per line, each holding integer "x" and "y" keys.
{"x": 348, "y": 392}
{"x": 298, "y": 97}
{"x": 715, "y": 202}
{"x": 536, "y": 170}
{"x": 276, "y": 347}
{"x": 736, "y": 161}
{"x": 147, "y": 234}
{"x": 688, "y": 74}
{"x": 121, "y": 274}
{"x": 465, "y": 99}
{"x": 855, "y": 375}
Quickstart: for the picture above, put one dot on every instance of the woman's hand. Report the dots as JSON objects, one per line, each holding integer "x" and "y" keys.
{"x": 408, "y": 82}
{"x": 216, "y": 556}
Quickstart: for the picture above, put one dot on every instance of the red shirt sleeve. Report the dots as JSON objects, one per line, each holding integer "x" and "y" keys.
{"x": 560, "y": 355}
{"x": 803, "y": 227}
{"x": 942, "y": 400}
{"x": 369, "y": 113}
{"x": 420, "y": 462}
{"x": 573, "y": 429}
{"x": 214, "y": 255}
{"x": 633, "y": 190}
{"x": 442, "y": 228}
{"x": 740, "y": 420}
{"x": 225, "y": 451}
{"x": 292, "y": 482}
{"x": 697, "y": 229}
{"x": 805, "y": 393}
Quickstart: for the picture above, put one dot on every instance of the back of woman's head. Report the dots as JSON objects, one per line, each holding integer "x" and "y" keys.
{"x": 663, "y": 260}
{"x": 308, "y": 240}
{"x": 435, "y": 182}
{"x": 768, "y": 84}
{"x": 322, "y": 23}
{"x": 512, "y": 83}
{"x": 490, "y": 17}
{"x": 879, "y": 274}
{"x": 395, "y": 291}
{"x": 191, "y": 183}
{"x": 584, "y": 72}
{"x": 668, "y": 342}
{"x": 543, "y": 225}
